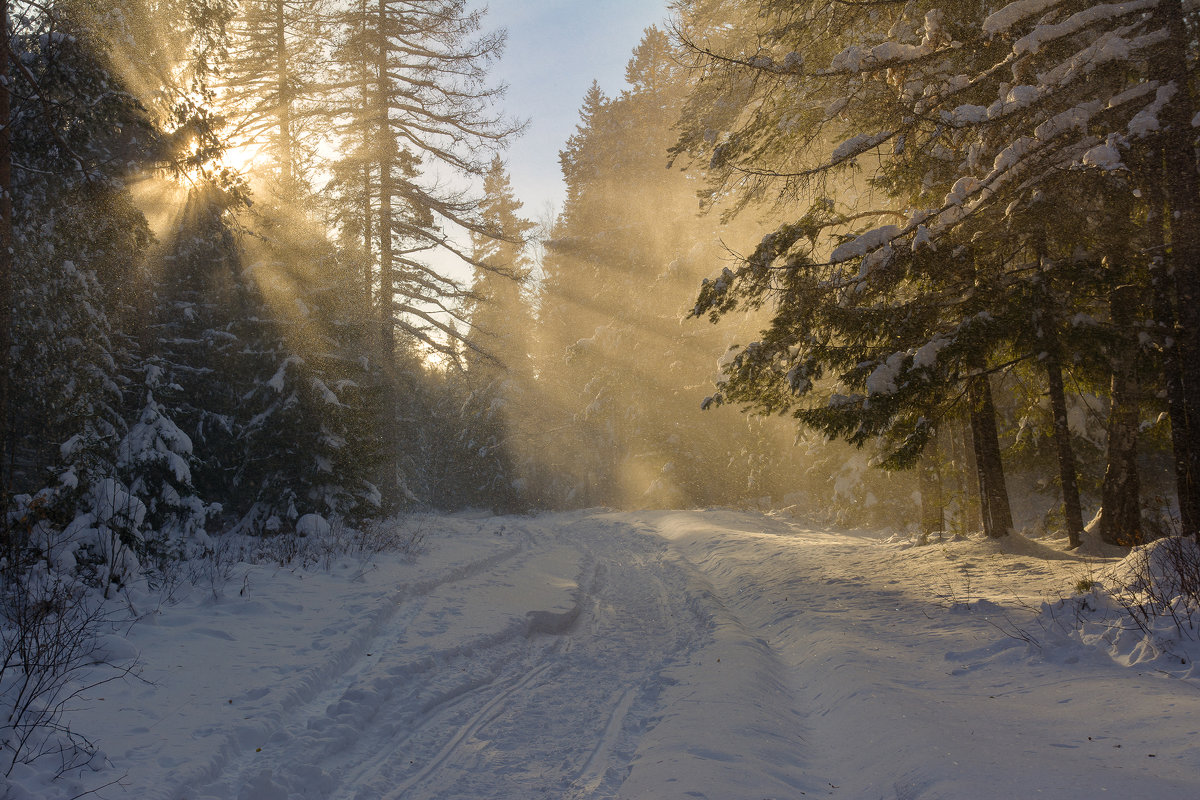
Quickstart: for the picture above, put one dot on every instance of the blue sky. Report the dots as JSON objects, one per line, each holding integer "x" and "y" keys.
{"x": 555, "y": 49}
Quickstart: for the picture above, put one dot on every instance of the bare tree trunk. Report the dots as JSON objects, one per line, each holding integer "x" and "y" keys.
{"x": 1121, "y": 517}
{"x": 1182, "y": 194}
{"x": 993, "y": 493}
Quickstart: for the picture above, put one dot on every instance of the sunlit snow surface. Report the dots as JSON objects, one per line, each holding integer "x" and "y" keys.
{"x": 706, "y": 654}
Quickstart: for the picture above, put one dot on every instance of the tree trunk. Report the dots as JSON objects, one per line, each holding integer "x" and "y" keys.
{"x": 387, "y": 148}
{"x": 368, "y": 239}
{"x": 1052, "y": 360}
{"x": 1048, "y": 339}
{"x": 1121, "y": 517}
{"x": 367, "y": 208}
{"x": 1166, "y": 323}
{"x": 284, "y": 111}
{"x": 993, "y": 493}
{"x": 1072, "y": 512}
{"x": 933, "y": 503}
{"x": 6, "y": 265}
{"x": 967, "y": 490}
{"x": 1182, "y": 194}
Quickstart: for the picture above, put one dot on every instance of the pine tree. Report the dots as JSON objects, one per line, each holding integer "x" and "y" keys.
{"x": 273, "y": 88}
{"x": 313, "y": 433}
{"x": 412, "y": 95}
{"x": 415, "y": 82}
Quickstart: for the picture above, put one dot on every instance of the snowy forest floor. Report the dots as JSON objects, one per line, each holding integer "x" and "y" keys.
{"x": 700, "y": 654}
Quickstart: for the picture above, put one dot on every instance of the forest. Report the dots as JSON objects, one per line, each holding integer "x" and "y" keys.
{"x": 263, "y": 274}
{"x": 950, "y": 251}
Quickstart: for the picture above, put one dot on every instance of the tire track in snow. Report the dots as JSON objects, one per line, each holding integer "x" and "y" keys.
{"x": 574, "y": 733}
{"x": 336, "y": 675}
{"x": 368, "y": 777}
{"x": 526, "y": 709}
{"x": 474, "y": 724}
{"x": 597, "y": 765}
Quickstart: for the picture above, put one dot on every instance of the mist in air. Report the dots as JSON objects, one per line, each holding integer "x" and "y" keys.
{"x": 269, "y": 266}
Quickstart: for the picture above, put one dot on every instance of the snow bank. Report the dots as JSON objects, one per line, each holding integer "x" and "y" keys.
{"x": 1143, "y": 612}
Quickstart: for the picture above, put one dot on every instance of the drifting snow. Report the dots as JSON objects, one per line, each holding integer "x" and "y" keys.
{"x": 634, "y": 655}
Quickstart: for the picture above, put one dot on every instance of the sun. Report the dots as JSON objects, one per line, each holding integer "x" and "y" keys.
{"x": 241, "y": 158}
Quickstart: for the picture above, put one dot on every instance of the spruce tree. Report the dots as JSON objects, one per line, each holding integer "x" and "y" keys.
{"x": 78, "y": 242}
{"x": 497, "y": 370}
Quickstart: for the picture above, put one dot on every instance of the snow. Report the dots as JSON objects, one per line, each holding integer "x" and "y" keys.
{"x": 156, "y": 438}
{"x": 313, "y": 525}
{"x": 279, "y": 379}
{"x": 922, "y": 238}
{"x": 1022, "y": 96}
{"x": 1041, "y": 34}
{"x": 324, "y": 392}
{"x": 882, "y": 379}
{"x": 836, "y": 107}
{"x": 963, "y": 188}
{"x": 861, "y": 245}
{"x": 927, "y": 354}
{"x": 1078, "y": 117}
{"x": 596, "y": 654}
{"x": 1001, "y": 21}
{"x": 1145, "y": 121}
{"x": 1103, "y": 156}
{"x": 887, "y": 54}
{"x": 966, "y": 115}
{"x": 857, "y": 145}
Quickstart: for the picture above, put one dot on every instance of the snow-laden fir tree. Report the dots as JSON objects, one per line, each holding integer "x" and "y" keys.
{"x": 970, "y": 117}
{"x": 78, "y": 248}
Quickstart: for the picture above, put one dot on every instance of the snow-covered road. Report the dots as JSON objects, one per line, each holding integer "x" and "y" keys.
{"x": 705, "y": 654}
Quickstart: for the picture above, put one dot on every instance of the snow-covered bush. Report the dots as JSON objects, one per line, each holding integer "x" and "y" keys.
{"x": 317, "y": 541}
{"x": 86, "y": 527}
{"x": 1145, "y": 609}
{"x": 1161, "y": 582}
